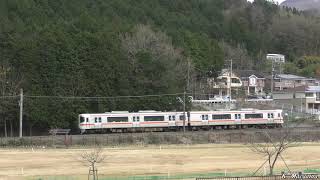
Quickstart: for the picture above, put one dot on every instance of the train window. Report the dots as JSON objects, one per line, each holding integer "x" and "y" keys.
{"x": 87, "y": 119}
{"x": 278, "y": 114}
{"x": 138, "y": 118}
{"x": 134, "y": 119}
{"x": 169, "y": 118}
{"x": 173, "y": 118}
{"x": 253, "y": 116}
{"x": 117, "y": 119}
{"x": 181, "y": 117}
{"x": 100, "y": 119}
{"x": 221, "y": 116}
{"x": 154, "y": 118}
{"x": 237, "y": 116}
{"x": 81, "y": 119}
{"x": 205, "y": 117}
{"x": 269, "y": 115}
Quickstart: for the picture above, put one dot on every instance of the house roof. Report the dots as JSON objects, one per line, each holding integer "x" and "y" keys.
{"x": 313, "y": 89}
{"x": 291, "y": 77}
{"x": 248, "y": 73}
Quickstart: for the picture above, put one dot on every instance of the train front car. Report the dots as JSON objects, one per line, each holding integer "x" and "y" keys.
{"x": 278, "y": 118}
{"x": 84, "y": 123}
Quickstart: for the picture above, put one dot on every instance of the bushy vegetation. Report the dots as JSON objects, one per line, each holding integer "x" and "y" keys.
{"x": 121, "y": 47}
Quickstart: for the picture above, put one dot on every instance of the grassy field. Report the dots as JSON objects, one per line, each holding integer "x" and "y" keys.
{"x": 168, "y": 160}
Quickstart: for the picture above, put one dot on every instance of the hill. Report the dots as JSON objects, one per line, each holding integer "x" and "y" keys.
{"x": 119, "y": 48}
{"x": 302, "y": 4}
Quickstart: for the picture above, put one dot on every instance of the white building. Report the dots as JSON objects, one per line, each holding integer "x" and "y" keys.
{"x": 278, "y": 58}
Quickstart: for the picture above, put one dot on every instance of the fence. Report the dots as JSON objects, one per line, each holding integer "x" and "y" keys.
{"x": 275, "y": 177}
{"x": 141, "y": 139}
{"x": 244, "y": 178}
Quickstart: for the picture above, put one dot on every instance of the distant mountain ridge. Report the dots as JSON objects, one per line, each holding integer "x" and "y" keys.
{"x": 302, "y": 4}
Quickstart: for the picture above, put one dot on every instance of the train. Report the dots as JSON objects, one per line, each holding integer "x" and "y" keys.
{"x": 150, "y": 120}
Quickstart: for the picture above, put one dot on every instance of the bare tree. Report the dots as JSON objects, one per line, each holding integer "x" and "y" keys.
{"x": 10, "y": 83}
{"x": 160, "y": 47}
{"x": 272, "y": 145}
{"x": 92, "y": 159}
{"x": 239, "y": 55}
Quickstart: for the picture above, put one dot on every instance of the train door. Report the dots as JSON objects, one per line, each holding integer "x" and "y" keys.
{"x": 237, "y": 118}
{"x": 205, "y": 119}
{"x": 136, "y": 121}
{"x": 270, "y": 118}
{"x": 172, "y": 120}
{"x": 98, "y": 122}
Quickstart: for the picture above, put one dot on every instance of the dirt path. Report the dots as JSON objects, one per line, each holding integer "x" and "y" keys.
{"x": 149, "y": 160}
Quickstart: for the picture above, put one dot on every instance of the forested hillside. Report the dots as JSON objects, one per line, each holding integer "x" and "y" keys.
{"x": 93, "y": 48}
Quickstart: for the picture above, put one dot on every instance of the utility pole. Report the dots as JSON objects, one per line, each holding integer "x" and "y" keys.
{"x": 272, "y": 74}
{"x": 188, "y": 77}
{"x": 184, "y": 111}
{"x": 21, "y": 111}
{"x": 230, "y": 81}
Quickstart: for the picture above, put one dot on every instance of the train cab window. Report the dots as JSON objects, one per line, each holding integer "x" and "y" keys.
{"x": 100, "y": 120}
{"x": 81, "y": 119}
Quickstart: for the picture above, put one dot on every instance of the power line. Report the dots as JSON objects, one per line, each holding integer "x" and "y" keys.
{"x": 4, "y": 97}
{"x": 101, "y": 97}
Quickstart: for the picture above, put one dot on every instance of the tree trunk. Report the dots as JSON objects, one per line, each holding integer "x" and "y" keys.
{"x": 270, "y": 166}
{"x": 11, "y": 129}
{"x": 94, "y": 172}
{"x": 30, "y": 130}
{"x": 271, "y": 171}
{"x": 5, "y": 128}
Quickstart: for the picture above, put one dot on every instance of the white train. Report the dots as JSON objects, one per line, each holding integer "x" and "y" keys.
{"x": 123, "y": 121}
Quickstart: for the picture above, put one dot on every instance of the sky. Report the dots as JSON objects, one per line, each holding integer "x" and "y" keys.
{"x": 279, "y": 1}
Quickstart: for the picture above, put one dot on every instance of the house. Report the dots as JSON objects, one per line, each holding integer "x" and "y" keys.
{"x": 225, "y": 82}
{"x": 312, "y": 95}
{"x": 277, "y": 58}
{"x": 253, "y": 82}
{"x": 304, "y": 98}
{"x": 289, "y": 81}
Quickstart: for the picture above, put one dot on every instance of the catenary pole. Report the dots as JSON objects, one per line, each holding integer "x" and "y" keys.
{"x": 21, "y": 112}
{"x": 184, "y": 112}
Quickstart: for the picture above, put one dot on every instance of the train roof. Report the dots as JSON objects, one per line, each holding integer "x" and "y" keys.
{"x": 180, "y": 112}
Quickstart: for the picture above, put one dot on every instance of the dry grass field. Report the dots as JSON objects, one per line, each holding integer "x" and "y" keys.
{"x": 128, "y": 161}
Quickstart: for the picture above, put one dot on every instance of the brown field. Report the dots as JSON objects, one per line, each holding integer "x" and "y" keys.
{"x": 168, "y": 159}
